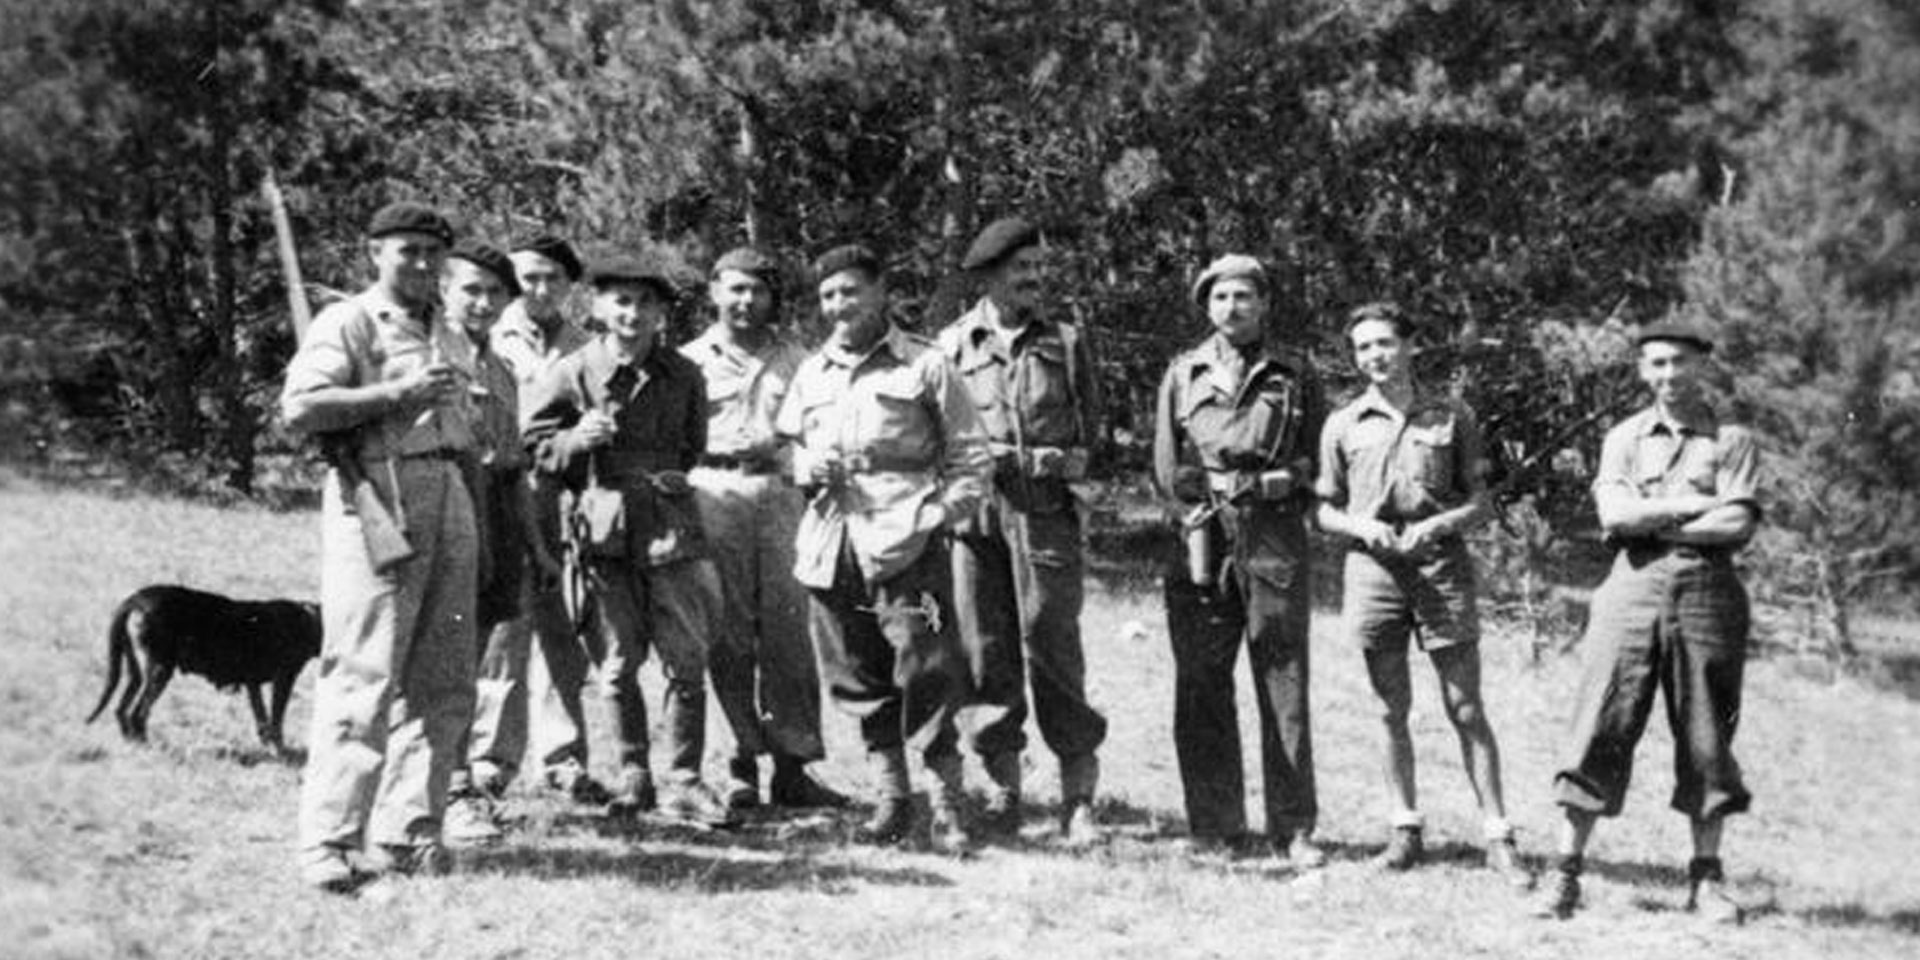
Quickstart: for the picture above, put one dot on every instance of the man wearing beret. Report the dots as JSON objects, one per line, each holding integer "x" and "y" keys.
{"x": 477, "y": 284}
{"x": 1017, "y": 563}
{"x": 532, "y": 335}
{"x": 890, "y": 456}
{"x": 619, "y": 423}
{"x": 1676, "y": 491}
{"x": 382, "y": 369}
{"x": 1234, "y": 441}
{"x": 762, "y": 659}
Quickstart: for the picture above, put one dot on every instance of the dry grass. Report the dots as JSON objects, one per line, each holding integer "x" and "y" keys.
{"x": 183, "y": 849}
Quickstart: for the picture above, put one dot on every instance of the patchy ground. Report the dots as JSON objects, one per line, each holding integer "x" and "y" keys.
{"x": 184, "y": 848}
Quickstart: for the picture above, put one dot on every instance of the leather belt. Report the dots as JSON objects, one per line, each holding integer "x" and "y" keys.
{"x": 744, "y": 464}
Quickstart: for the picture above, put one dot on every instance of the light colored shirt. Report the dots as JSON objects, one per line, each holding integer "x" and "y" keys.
{"x": 912, "y": 443}
{"x": 1647, "y": 455}
{"x": 527, "y": 350}
{"x": 1383, "y": 463}
{"x": 368, "y": 339}
{"x": 744, "y": 391}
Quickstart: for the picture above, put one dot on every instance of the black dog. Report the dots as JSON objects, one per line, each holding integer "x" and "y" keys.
{"x": 161, "y": 629}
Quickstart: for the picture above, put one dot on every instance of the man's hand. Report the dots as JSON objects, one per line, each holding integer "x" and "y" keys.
{"x": 426, "y": 387}
{"x": 1421, "y": 537}
{"x": 595, "y": 429}
{"x": 1189, "y": 484}
{"x": 1375, "y": 535}
{"x": 818, "y": 468}
{"x": 673, "y": 483}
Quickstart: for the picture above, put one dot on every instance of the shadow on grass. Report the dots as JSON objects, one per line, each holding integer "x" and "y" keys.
{"x": 1855, "y": 916}
{"x": 712, "y": 861}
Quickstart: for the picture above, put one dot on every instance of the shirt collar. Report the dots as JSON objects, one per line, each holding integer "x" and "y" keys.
{"x": 382, "y": 307}
{"x": 1374, "y": 400}
{"x": 894, "y": 341}
{"x": 601, "y": 362}
{"x": 1700, "y": 423}
{"x": 515, "y": 322}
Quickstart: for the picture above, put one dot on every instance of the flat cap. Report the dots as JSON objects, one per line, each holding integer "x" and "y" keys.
{"x": 409, "y": 217}
{"x": 998, "y": 241}
{"x": 1674, "y": 331}
{"x": 555, "y": 249}
{"x": 851, "y": 256}
{"x": 1231, "y": 265}
{"x": 630, "y": 269}
{"x": 746, "y": 260}
{"x": 487, "y": 257}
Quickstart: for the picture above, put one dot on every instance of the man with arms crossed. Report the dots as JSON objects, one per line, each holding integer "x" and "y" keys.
{"x": 1676, "y": 494}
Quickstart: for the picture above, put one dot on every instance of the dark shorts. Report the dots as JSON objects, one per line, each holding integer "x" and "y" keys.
{"x": 1674, "y": 625}
{"x": 1387, "y": 600}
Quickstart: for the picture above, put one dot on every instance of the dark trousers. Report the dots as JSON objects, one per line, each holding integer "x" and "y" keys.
{"x": 890, "y": 652}
{"x": 1263, "y": 600}
{"x": 1018, "y": 589}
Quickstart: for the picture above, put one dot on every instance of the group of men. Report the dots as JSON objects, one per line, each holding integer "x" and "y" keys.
{"x": 892, "y": 515}
{"x": 888, "y": 514}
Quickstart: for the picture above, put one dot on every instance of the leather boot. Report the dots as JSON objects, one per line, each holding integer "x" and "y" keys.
{"x": 947, "y": 830}
{"x": 892, "y": 819}
{"x": 1001, "y": 815}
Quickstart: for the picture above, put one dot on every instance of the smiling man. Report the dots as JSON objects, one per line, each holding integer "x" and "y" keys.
{"x": 1402, "y": 479}
{"x": 619, "y": 422}
{"x": 1676, "y": 492}
{"x": 889, "y": 453}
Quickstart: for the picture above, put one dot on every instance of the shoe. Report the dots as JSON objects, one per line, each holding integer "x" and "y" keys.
{"x": 1503, "y": 858}
{"x": 425, "y": 858}
{"x": 471, "y": 819}
{"x": 796, "y": 788}
{"x": 1304, "y": 853}
{"x": 694, "y": 802}
{"x": 326, "y": 868}
{"x": 947, "y": 831}
{"x": 490, "y": 779}
{"x": 1405, "y": 849}
{"x": 890, "y": 824}
{"x": 743, "y": 783}
{"x": 1078, "y": 827}
{"x": 1559, "y": 898}
{"x": 635, "y": 797}
{"x": 579, "y": 786}
{"x": 1000, "y": 816}
{"x": 1707, "y": 897}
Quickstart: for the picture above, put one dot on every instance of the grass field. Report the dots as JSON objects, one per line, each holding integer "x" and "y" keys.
{"x": 184, "y": 848}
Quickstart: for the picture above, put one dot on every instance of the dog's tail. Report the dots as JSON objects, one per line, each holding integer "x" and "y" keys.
{"x": 118, "y": 649}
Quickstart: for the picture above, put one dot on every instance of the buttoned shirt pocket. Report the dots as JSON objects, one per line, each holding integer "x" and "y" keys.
{"x": 1047, "y": 397}
{"x": 1430, "y": 457}
{"x": 903, "y": 431}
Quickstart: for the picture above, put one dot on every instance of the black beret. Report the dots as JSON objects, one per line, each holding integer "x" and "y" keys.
{"x": 487, "y": 257}
{"x": 747, "y": 260}
{"x": 555, "y": 249}
{"x": 1676, "y": 332}
{"x": 852, "y": 256}
{"x": 627, "y": 269}
{"x": 1000, "y": 240}
{"x": 408, "y": 217}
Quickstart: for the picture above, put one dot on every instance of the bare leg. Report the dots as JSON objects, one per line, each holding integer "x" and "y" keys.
{"x": 1459, "y": 669}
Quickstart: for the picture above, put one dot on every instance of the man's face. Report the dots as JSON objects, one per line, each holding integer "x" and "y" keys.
{"x": 1238, "y": 309}
{"x": 1379, "y": 351}
{"x": 544, "y": 284}
{"x": 409, "y": 263}
{"x": 743, "y": 300}
{"x": 631, "y": 310}
{"x": 1015, "y": 284}
{"x": 472, "y": 295}
{"x": 1671, "y": 369}
{"x": 854, "y": 299}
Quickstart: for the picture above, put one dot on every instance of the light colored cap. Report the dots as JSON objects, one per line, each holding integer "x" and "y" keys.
{"x": 1231, "y": 265}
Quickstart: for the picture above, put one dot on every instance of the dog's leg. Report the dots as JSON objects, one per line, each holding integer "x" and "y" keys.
{"x": 260, "y": 724}
{"x": 157, "y": 676}
{"x": 126, "y": 711}
{"x": 282, "y": 694}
